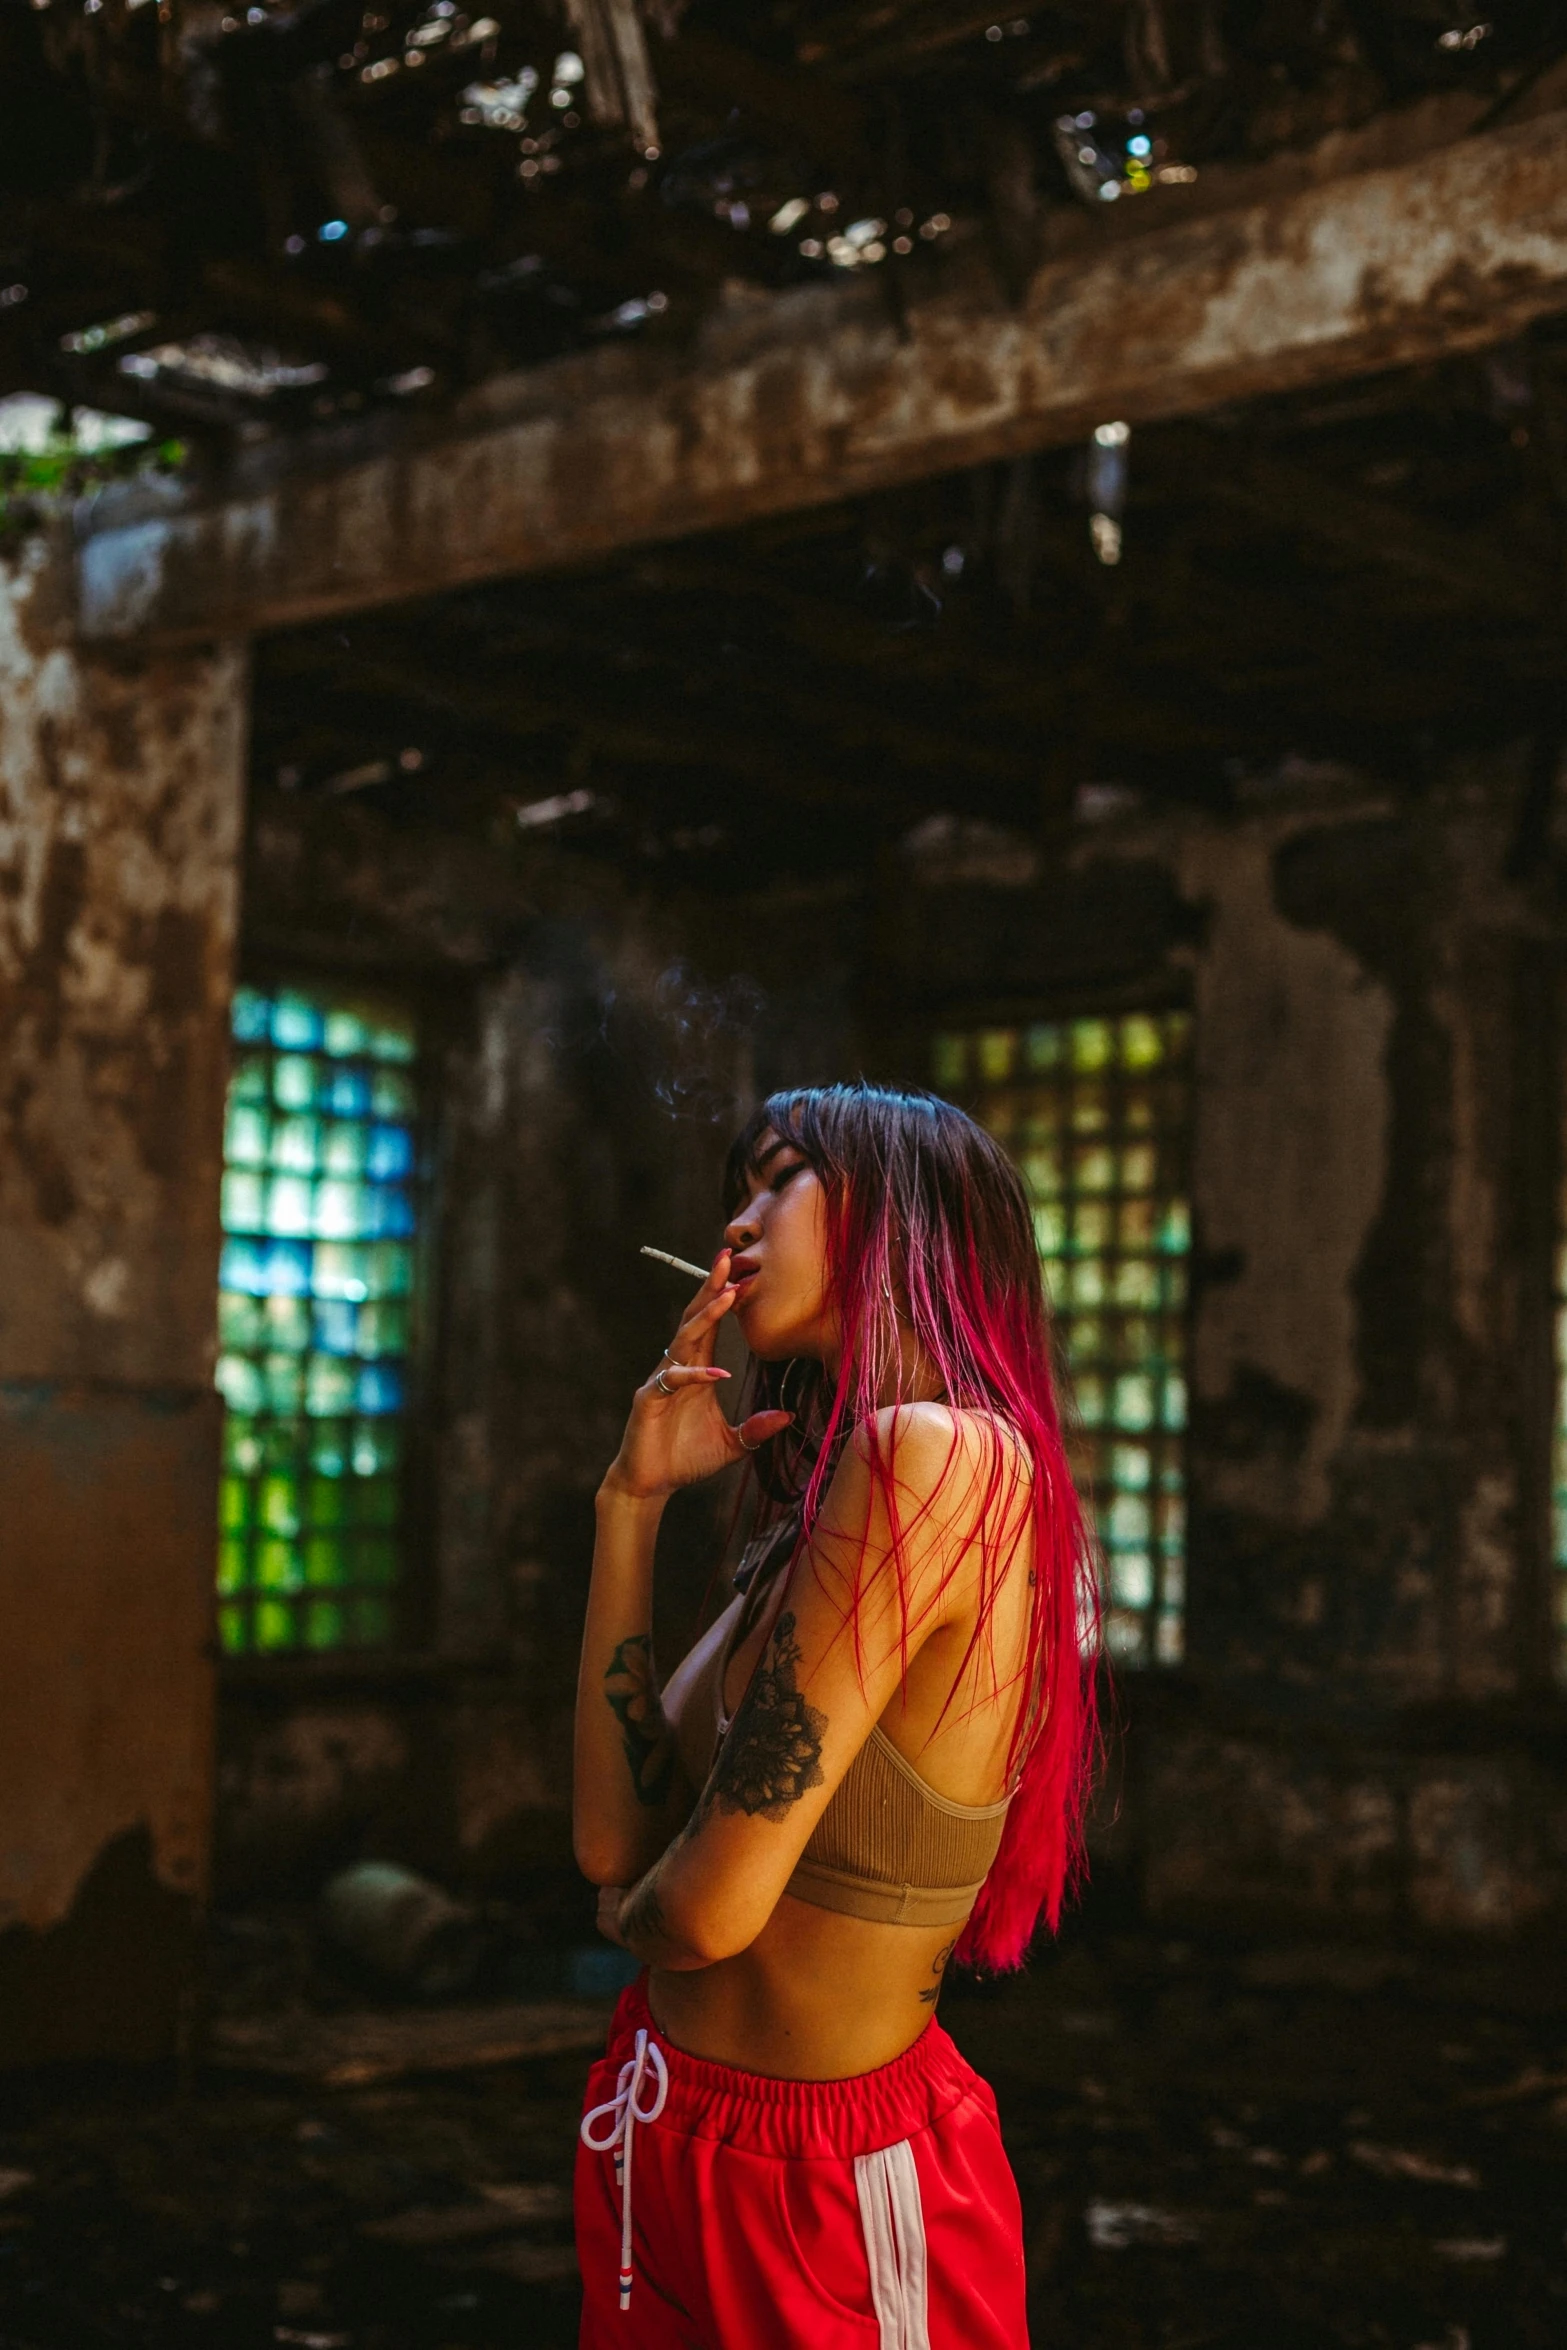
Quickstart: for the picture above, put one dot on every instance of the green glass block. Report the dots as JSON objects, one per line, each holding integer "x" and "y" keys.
{"x": 287, "y": 1323}
{"x": 1177, "y": 1034}
{"x": 251, "y": 1078}
{"x": 1172, "y": 1284}
{"x": 383, "y": 1329}
{"x": 1139, "y": 1168}
{"x": 341, "y": 1211}
{"x": 342, "y": 1269}
{"x": 371, "y": 1622}
{"x": 1090, "y": 1400}
{"x": 1172, "y": 1583}
{"x": 246, "y": 1135}
{"x": 344, "y": 1146}
{"x": 1045, "y": 1045}
{"x": 345, "y": 1035}
{"x": 296, "y": 1145}
{"x": 284, "y": 1382}
{"x": 233, "y": 1630}
{"x": 373, "y": 1501}
{"x": 1094, "y": 1169}
{"x": 372, "y": 1558}
{"x": 998, "y": 1114}
{"x": 1129, "y": 1522}
{"x": 239, "y": 1319}
{"x": 1174, "y": 1413}
{"x": 1134, "y": 1282}
{"x": 1093, "y": 1044}
{"x": 324, "y": 1569}
{"x": 1090, "y": 1106}
{"x": 1172, "y": 1521}
{"x": 1050, "y": 1229}
{"x": 1133, "y": 1402}
{"x": 330, "y": 1386}
{"x": 324, "y": 1627}
{"x": 392, "y": 1039}
{"x": 389, "y": 1268}
{"x": 275, "y": 1621}
{"x": 1042, "y": 1173}
{"x": 995, "y": 1050}
{"x": 1091, "y": 1222}
{"x": 240, "y": 1383}
{"x": 233, "y": 1565}
{"x": 1141, "y": 1042}
{"x": 280, "y": 1565}
{"x": 377, "y": 1447}
{"x": 1085, "y": 1282}
{"x": 325, "y": 1502}
{"x": 1131, "y": 1578}
{"x": 296, "y": 1018}
{"x": 331, "y": 1444}
{"x": 280, "y": 1440}
{"x": 949, "y": 1059}
{"x": 1087, "y": 1339}
{"x": 294, "y": 1082}
{"x": 234, "y": 1500}
{"x": 1175, "y": 1236}
{"x": 1041, "y": 1117}
{"x": 243, "y": 1202}
{"x": 1137, "y": 1113}
{"x": 1126, "y": 1636}
{"x": 288, "y": 1207}
{"x": 1135, "y": 1224}
{"x": 279, "y": 1500}
{"x": 392, "y": 1093}
{"x": 1131, "y": 1467}
{"x": 241, "y": 1445}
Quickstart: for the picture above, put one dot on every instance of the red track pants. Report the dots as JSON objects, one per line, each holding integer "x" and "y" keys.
{"x": 722, "y": 2210}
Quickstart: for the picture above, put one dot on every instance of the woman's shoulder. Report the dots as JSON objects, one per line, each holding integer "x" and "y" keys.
{"x": 931, "y": 1442}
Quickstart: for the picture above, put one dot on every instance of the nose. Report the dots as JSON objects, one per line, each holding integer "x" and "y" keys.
{"x": 743, "y": 1229}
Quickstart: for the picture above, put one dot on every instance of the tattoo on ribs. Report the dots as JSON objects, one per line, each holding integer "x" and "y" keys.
{"x": 938, "y": 1967}
{"x": 644, "y": 1733}
{"x": 774, "y": 1748}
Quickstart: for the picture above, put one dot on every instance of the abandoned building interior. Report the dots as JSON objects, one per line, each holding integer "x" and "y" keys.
{"x": 561, "y": 570}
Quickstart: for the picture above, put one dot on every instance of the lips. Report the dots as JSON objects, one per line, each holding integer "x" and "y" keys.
{"x": 743, "y": 1270}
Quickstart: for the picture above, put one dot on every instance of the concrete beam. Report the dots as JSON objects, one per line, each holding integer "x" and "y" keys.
{"x": 799, "y": 399}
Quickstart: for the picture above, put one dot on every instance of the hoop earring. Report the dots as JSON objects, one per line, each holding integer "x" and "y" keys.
{"x": 795, "y": 1363}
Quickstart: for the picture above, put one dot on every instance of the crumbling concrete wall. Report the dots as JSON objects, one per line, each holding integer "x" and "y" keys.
{"x": 120, "y": 794}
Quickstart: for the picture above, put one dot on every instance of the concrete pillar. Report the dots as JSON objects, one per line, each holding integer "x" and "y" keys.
{"x": 120, "y": 802}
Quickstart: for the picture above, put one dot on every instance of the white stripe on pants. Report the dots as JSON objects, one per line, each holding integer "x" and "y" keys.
{"x": 894, "y": 2224}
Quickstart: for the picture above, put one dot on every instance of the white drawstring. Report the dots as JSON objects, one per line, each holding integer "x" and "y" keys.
{"x": 624, "y": 2113}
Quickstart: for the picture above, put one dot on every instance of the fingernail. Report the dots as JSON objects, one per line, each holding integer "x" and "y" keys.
{"x": 715, "y": 1373}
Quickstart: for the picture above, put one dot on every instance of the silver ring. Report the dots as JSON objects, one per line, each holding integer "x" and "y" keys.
{"x": 744, "y": 1447}
{"x": 662, "y": 1384}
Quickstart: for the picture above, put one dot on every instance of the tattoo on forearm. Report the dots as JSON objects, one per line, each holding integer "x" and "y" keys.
{"x": 644, "y": 1733}
{"x": 774, "y": 1748}
{"x": 641, "y": 1915}
{"x": 938, "y": 1967}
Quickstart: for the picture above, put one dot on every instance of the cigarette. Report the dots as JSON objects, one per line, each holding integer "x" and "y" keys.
{"x": 681, "y": 1264}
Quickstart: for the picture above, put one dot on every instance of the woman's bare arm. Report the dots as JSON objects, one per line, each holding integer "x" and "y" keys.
{"x": 630, "y": 1794}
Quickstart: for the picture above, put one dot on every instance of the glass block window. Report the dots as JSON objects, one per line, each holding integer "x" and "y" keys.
{"x": 318, "y": 1279}
{"x": 1095, "y": 1113}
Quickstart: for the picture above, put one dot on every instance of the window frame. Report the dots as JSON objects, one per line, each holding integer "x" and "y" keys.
{"x": 411, "y": 1646}
{"x": 1156, "y": 994}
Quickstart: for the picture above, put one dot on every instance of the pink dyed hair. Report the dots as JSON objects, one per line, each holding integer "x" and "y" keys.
{"x": 929, "y": 1226}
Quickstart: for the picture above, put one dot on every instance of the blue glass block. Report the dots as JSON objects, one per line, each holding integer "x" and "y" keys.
{"x": 390, "y": 1269}
{"x": 380, "y": 1389}
{"x": 289, "y": 1205}
{"x": 330, "y": 1387}
{"x": 341, "y": 1211}
{"x": 244, "y": 1202}
{"x": 251, "y": 1018}
{"x": 245, "y": 1138}
{"x": 345, "y": 1034}
{"x": 392, "y": 1039}
{"x": 391, "y": 1154}
{"x": 344, "y": 1148}
{"x": 286, "y": 1268}
{"x": 336, "y": 1326}
{"x": 392, "y": 1213}
{"x": 347, "y": 1093}
{"x": 294, "y": 1083}
{"x": 240, "y": 1383}
{"x": 296, "y": 1022}
{"x": 244, "y": 1267}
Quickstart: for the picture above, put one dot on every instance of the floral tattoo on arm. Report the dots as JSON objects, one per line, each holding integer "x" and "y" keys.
{"x": 644, "y": 1733}
{"x": 773, "y": 1752}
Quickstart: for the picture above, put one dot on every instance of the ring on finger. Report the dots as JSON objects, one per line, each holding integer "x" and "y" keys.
{"x": 744, "y": 1447}
{"x": 662, "y": 1384}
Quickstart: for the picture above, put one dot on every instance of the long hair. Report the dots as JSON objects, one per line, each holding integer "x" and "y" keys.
{"x": 929, "y": 1232}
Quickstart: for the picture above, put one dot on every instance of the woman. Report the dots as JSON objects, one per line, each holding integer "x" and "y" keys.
{"x": 873, "y": 1762}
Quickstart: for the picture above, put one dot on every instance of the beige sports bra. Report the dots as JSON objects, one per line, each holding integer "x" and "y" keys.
{"x": 887, "y": 1847}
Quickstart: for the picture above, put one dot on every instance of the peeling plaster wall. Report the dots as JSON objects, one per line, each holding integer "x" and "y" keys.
{"x": 120, "y": 791}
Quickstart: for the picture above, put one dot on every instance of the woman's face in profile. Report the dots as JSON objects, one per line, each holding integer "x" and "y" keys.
{"x": 779, "y": 1236}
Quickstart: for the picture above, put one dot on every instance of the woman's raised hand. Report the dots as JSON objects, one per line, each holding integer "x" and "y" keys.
{"x": 677, "y": 1434}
